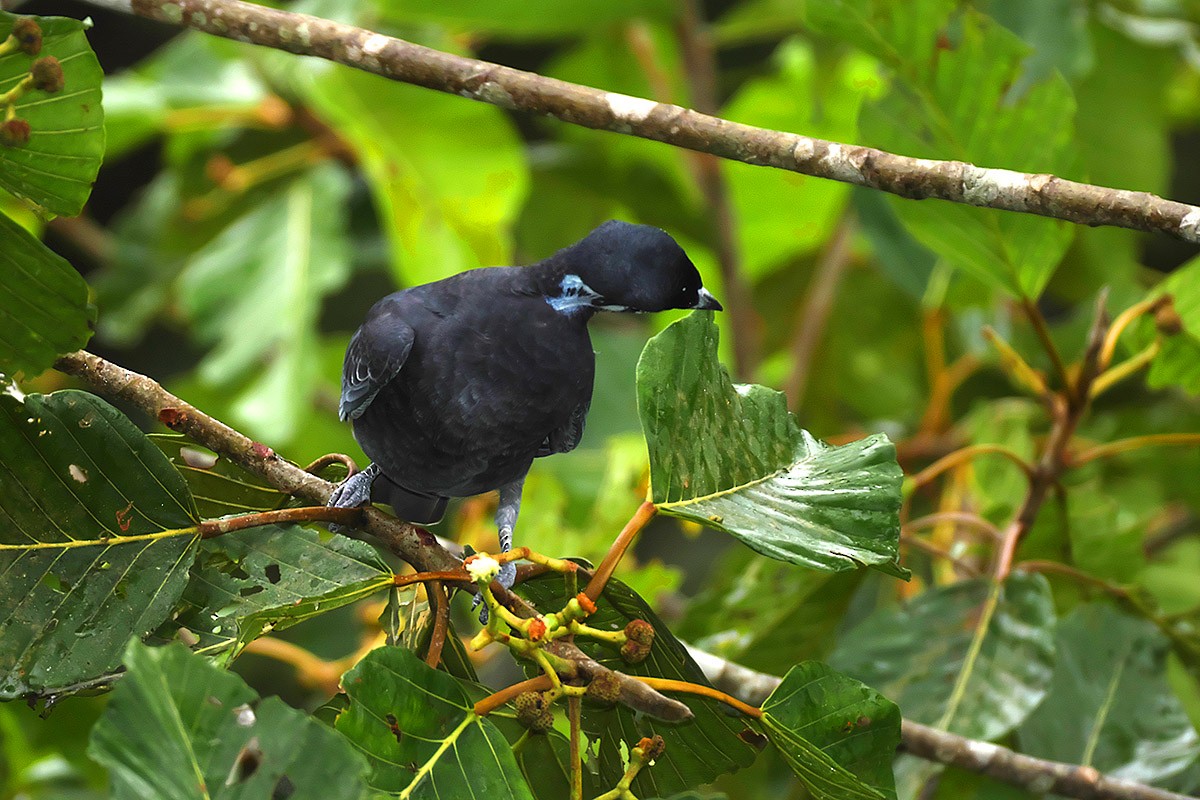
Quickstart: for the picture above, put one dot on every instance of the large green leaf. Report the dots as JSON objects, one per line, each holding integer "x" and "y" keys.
{"x": 97, "y": 531}
{"x": 698, "y": 751}
{"x": 929, "y": 658}
{"x": 44, "y": 309}
{"x": 56, "y": 168}
{"x": 838, "y": 735}
{"x": 271, "y": 578}
{"x": 1109, "y": 705}
{"x": 255, "y": 292}
{"x": 179, "y": 727}
{"x": 959, "y": 93}
{"x": 733, "y": 458}
{"x": 421, "y": 735}
{"x": 446, "y": 200}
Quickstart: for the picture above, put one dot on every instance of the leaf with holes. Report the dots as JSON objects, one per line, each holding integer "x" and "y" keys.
{"x": 97, "y": 531}
{"x": 715, "y": 742}
{"x": 838, "y": 735}
{"x": 270, "y": 578}
{"x": 421, "y": 735}
{"x": 1109, "y": 705}
{"x": 43, "y": 303}
{"x": 179, "y": 727}
{"x": 55, "y": 169}
{"x": 733, "y": 458}
{"x": 934, "y": 660}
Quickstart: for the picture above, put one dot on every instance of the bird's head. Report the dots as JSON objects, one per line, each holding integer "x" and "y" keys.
{"x": 624, "y": 267}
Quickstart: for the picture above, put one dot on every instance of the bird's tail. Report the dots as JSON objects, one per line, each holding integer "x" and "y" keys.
{"x": 423, "y": 509}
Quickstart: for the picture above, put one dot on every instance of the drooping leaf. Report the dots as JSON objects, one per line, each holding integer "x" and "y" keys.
{"x": 55, "y": 169}
{"x": 733, "y": 458}
{"x": 445, "y": 200}
{"x": 97, "y": 531}
{"x": 924, "y": 656}
{"x": 178, "y": 726}
{"x": 421, "y": 735}
{"x": 838, "y": 735}
{"x": 958, "y": 93}
{"x": 698, "y": 751}
{"x": 255, "y": 292}
{"x": 270, "y": 578}
{"x": 1109, "y": 704}
{"x": 44, "y": 309}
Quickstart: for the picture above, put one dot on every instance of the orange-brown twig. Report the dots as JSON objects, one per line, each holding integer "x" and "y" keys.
{"x": 493, "y": 701}
{"x": 645, "y": 513}
{"x": 668, "y": 685}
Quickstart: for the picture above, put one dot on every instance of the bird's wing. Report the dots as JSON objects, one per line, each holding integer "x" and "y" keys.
{"x": 566, "y": 438}
{"x": 376, "y": 353}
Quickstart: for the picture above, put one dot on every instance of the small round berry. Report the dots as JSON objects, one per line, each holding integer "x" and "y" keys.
{"x": 14, "y": 133}
{"x": 28, "y": 35}
{"x": 640, "y": 631}
{"x": 47, "y": 74}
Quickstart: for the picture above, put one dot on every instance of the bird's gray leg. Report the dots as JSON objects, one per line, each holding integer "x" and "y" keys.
{"x": 506, "y": 519}
{"x": 355, "y": 490}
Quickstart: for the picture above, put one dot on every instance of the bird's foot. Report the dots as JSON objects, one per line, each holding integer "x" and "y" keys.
{"x": 507, "y": 575}
{"x": 353, "y": 492}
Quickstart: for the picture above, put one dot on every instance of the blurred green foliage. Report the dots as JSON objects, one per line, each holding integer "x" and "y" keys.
{"x": 254, "y": 204}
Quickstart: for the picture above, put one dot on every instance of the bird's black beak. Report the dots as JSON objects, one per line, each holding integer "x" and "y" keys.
{"x": 707, "y": 302}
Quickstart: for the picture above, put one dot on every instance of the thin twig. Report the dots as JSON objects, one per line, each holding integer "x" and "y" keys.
{"x": 493, "y": 701}
{"x": 818, "y": 303}
{"x": 640, "y": 519}
{"x": 700, "y": 67}
{"x": 211, "y": 528}
{"x": 441, "y": 621}
{"x": 959, "y": 182}
{"x": 937, "y": 552}
{"x": 573, "y": 712}
{"x": 670, "y": 685}
{"x": 1110, "y": 449}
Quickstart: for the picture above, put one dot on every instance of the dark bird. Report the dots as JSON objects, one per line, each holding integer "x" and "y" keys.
{"x": 456, "y": 386}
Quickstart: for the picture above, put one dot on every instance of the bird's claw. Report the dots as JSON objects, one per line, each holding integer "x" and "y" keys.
{"x": 353, "y": 492}
{"x": 507, "y": 577}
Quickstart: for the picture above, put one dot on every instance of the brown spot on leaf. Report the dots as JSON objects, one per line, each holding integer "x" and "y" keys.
{"x": 125, "y": 517}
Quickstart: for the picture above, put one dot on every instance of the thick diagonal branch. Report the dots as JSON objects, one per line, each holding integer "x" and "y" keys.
{"x": 416, "y": 546}
{"x": 915, "y": 178}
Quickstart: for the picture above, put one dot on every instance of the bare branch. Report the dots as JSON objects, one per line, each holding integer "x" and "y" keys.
{"x": 1037, "y": 775}
{"x": 915, "y": 178}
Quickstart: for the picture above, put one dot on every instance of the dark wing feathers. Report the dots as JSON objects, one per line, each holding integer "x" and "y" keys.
{"x": 566, "y": 438}
{"x": 376, "y": 353}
